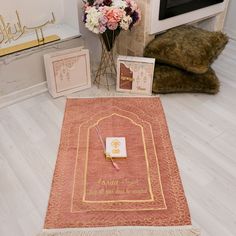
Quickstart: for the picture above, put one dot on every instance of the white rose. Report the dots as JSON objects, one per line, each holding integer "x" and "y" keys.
{"x": 125, "y": 22}
{"x": 119, "y": 4}
{"x": 92, "y": 20}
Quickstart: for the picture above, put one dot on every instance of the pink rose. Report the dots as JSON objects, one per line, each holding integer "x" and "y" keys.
{"x": 132, "y": 4}
{"x": 112, "y": 25}
{"x": 103, "y": 20}
{"x": 102, "y": 24}
{"x": 115, "y": 14}
{"x": 104, "y": 9}
{"x": 102, "y": 29}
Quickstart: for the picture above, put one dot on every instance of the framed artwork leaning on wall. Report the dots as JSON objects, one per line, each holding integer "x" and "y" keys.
{"x": 135, "y": 74}
{"x": 67, "y": 71}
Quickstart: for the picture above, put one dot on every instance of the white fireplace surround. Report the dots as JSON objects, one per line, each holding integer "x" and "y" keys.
{"x": 157, "y": 25}
{"x": 210, "y": 18}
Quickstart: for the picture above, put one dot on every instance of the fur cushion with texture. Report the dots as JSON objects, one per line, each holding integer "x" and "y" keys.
{"x": 187, "y": 47}
{"x": 169, "y": 79}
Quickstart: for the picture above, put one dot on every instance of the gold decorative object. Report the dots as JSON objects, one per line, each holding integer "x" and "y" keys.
{"x": 116, "y": 146}
{"x": 27, "y": 45}
{"x": 125, "y": 78}
{"x": 13, "y": 32}
{"x": 106, "y": 73}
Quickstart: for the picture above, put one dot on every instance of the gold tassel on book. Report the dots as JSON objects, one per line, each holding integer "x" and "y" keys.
{"x": 125, "y": 231}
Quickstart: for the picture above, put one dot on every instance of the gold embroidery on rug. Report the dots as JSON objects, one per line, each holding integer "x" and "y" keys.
{"x": 139, "y": 191}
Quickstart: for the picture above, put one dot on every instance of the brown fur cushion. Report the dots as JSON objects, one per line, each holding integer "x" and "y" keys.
{"x": 187, "y": 47}
{"x": 169, "y": 79}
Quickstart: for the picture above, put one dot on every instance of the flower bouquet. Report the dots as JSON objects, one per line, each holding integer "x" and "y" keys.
{"x": 109, "y": 17}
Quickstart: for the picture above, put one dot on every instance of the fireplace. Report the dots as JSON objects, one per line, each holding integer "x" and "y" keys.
{"x": 170, "y": 8}
{"x": 166, "y": 14}
{"x": 210, "y": 16}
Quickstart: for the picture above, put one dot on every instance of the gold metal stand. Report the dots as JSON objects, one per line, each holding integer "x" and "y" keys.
{"x": 106, "y": 73}
{"x": 28, "y": 45}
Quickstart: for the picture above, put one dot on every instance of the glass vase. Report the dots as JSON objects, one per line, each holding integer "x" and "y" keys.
{"x": 106, "y": 73}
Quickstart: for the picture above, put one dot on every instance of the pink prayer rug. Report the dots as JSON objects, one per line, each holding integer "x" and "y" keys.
{"x": 90, "y": 197}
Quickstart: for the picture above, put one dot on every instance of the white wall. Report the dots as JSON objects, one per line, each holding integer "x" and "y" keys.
{"x": 71, "y": 13}
{"x": 32, "y": 12}
{"x": 230, "y": 24}
{"x": 91, "y": 40}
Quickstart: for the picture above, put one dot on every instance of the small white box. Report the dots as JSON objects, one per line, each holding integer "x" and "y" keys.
{"x": 116, "y": 147}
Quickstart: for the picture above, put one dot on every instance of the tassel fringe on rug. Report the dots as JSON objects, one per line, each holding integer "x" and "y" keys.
{"x": 124, "y": 231}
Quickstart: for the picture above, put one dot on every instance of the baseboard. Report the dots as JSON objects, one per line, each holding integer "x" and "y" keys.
{"x": 23, "y": 94}
{"x": 231, "y": 33}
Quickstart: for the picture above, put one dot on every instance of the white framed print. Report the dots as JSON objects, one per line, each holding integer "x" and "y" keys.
{"x": 67, "y": 71}
{"x": 135, "y": 74}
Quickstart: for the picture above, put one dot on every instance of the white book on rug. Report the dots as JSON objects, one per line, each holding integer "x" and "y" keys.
{"x": 116, "y": 147}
